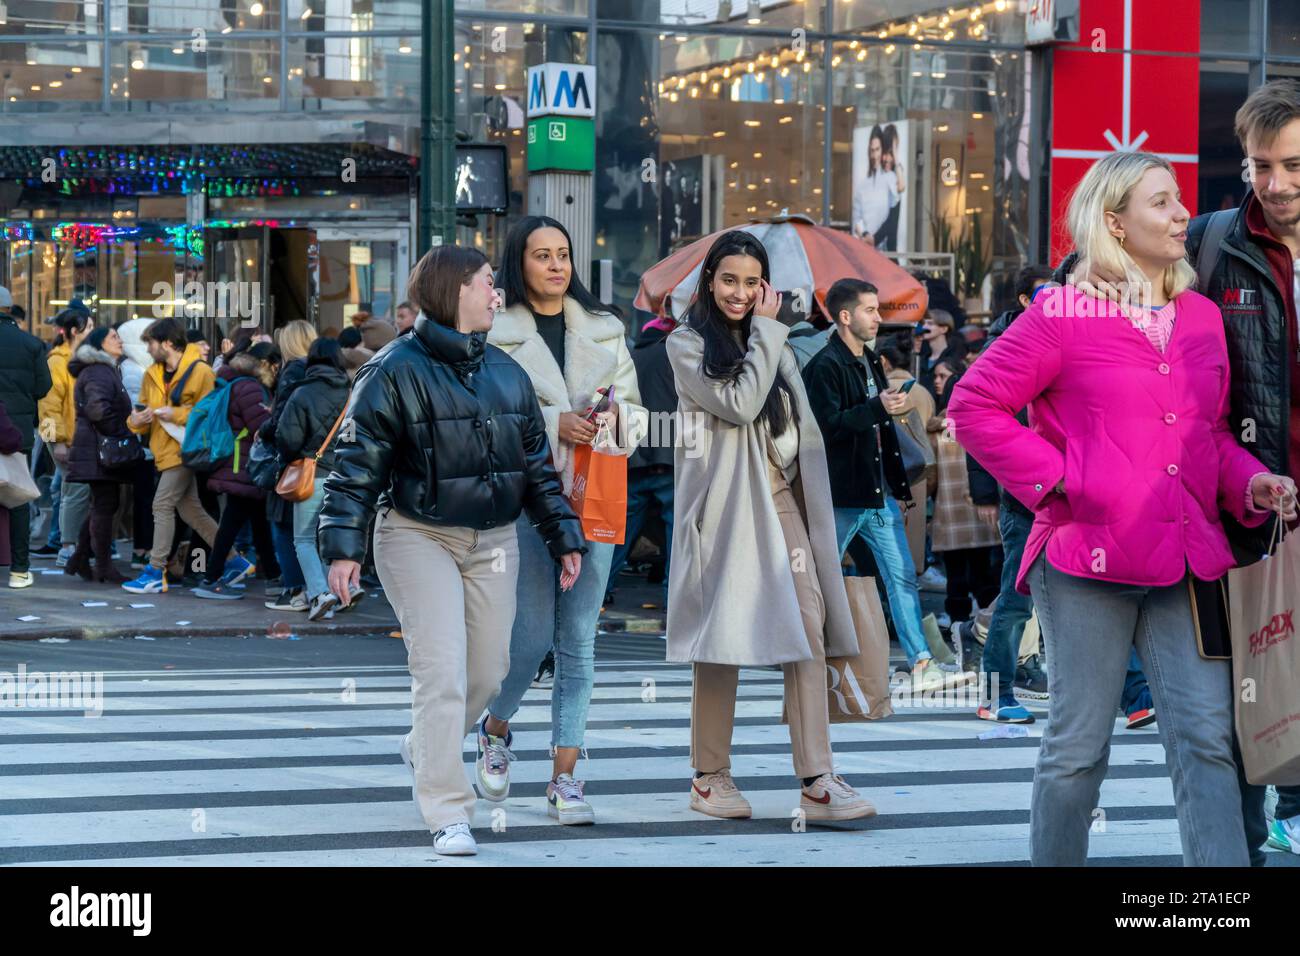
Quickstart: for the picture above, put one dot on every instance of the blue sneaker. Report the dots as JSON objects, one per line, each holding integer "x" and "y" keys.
{"x": 1003, "y": 714}
{"x": 237, "y": 568}
{"x": 151, "y": 581}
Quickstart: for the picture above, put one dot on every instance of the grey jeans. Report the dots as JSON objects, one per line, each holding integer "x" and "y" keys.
{"x": 1089, "y": 627}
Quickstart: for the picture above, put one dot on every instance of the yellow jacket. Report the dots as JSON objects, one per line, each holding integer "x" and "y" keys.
{"x": 56, "y": 412}
{"x": 154, "y": 394}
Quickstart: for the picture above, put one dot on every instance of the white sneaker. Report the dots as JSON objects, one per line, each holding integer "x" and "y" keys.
{"x": 21, "y": 579}
{"x": 492, "y": 768}
{"x": 322, "y": 604}
{"x": 936, "y": 677}
{"x": 455, "y": 840}
{"x": 565, "y": 801}
{"x": 932, "y": 580}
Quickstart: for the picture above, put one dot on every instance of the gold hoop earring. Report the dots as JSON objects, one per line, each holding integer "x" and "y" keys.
{"x": 1121, "y": 241}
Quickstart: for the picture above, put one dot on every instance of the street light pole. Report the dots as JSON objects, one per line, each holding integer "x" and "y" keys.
{"x": 437, "y": 125}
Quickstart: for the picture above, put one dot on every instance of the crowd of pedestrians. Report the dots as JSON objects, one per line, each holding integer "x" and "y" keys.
{"x": 1066, "y": 480}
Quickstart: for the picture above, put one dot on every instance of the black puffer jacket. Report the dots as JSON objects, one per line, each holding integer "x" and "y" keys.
{"x": 289, "y": 378}
{"x": 447, "y": 430}
{"x": 102, "y": 407}
{"x": 24, "y": 377}
{"x": 309, "y": 414}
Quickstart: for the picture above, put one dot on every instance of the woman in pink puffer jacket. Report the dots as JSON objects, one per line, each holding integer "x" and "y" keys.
{"x": 1127, "y": 464}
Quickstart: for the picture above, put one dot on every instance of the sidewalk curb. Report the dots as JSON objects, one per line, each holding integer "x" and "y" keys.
{"x": 91, "y": 633}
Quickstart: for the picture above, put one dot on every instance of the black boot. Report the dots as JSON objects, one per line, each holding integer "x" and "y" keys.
{"x": 101, "y": 533}
{"x": 79, "y": 563}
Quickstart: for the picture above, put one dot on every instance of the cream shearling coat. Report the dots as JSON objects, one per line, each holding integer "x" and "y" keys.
{"x": 595, "y": 355}
{"x": 731, "y": 594}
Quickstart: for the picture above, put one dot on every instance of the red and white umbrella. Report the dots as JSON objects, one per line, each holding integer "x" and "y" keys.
{"x": 802, "y": 255}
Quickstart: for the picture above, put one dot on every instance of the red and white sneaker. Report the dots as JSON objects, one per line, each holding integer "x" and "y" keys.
{"x": 716, "y": 794}
{"x": 829, "y": 797}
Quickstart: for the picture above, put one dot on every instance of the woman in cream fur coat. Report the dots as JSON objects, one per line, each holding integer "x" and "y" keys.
{"x": 570, "y": 345}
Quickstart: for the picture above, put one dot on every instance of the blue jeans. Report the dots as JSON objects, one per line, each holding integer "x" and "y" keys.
{"x": 1137, "y": 695}
{"x": 282, "y": 538}
{"x": 306, "y": 514}
{"x": 547, "y": 617}
{"x": 882, "y": 529}
{"x": 53, "y": 539}
{"x": 1007, "y": 626}
{"x": 1089, "y": 629}
{"x": 642, "y": 491}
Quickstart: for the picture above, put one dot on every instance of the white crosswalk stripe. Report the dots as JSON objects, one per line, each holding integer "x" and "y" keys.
{"x": 288, "y": 767}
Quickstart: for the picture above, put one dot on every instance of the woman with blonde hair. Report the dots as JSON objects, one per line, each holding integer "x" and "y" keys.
{"x": 1126, "y": 466}
{"x": 294, "y": 340}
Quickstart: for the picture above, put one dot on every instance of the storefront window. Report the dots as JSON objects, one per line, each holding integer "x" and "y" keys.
{"x": 329, "y": 73}
{"x": 731, "y": 14}
{"x": 45, "y": 76}
{"x": 36, "y": 17}
{"x": 1232, "y": 26}
{"x": 913, "y": 21}
{"x": 1225, "y": 84}
{"x": 559, "y": 8}
{"x": 357, "y": 274}
{"x": 352, "y": 15}
{"x": 237, "y": 74}
{"x": 213, "y": 17}
{"x": 697, "y": 135}
{"x": 931, "y": 154}
{"x": 1284, "y": 27}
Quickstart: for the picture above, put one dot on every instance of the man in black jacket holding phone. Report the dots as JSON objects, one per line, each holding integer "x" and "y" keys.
{"x": 853, "y": 404}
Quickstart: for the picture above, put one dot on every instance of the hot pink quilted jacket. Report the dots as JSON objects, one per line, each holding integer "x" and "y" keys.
{"x": 1140, "y": 437}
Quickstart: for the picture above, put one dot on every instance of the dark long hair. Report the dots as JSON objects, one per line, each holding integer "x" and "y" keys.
{"x": 723, "y": 356}
{"x": 510, "y": 277}
{"x": 876, "y": 133}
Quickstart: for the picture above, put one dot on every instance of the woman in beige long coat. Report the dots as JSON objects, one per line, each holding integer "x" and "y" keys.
{"x": 755, "y": 576}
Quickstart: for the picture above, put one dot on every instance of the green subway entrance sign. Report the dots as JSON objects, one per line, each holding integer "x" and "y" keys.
{"x": 561, "y": 111}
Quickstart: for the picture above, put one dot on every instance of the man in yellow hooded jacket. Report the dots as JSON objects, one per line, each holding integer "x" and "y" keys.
{"x": 172, "y": 386}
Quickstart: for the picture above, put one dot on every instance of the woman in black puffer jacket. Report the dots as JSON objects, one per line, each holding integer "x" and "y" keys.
{"x": 102, "y": 408}
{"x": 308, "y": 418}
{"x": 294, "y": 340}
{"x": 445, "y": 435}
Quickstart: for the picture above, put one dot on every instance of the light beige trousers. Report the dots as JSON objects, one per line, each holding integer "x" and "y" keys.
{"x": 713, "y": 701}
{"x": 454, "y": 593}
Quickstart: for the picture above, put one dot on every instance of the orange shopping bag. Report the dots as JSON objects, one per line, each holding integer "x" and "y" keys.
{"x": 599, "y": 494}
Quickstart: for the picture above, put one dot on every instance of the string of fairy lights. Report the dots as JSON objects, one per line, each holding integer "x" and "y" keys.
{"x": 936, "y": 28}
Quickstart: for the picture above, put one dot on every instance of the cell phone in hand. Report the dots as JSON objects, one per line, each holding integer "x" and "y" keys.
{"x": 907, "y": 386}
{"x": 606, "y": 398}
{"x": 139, "y": 406}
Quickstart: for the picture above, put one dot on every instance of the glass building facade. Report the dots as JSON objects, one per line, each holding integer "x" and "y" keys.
{"x": 145, "y": 139}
